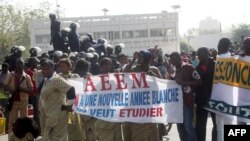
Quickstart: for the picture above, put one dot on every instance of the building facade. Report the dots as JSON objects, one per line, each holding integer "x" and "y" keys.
{"x": 137, "y": 32}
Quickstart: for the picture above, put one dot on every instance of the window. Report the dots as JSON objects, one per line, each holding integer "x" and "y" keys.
{"x": 156, "y": 32}
{"x": 42, "y": 39}
{"x": 114, "y": 35}
{"x": 127, "y": 34}
{"x": 98, "y": 35}
{"x": 141, "y": 33}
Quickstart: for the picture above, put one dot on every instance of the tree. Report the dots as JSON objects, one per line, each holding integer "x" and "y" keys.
{"x": 240, "y": 30}
{"x": 193, "y": 32}
{"x": 184, "y": 46}
{"x": 14, "y": 24}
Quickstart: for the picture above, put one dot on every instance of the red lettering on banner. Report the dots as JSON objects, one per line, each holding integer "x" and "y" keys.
{"x": 159, "y": 112}
{"x": 89, "y": 83}
{"x": 121, "y": 113}
{"x": 120, "y": 81}
{"x": 104, "y": 81}
{"x": 139, "y": 81}
{"x": 141, "y": 112}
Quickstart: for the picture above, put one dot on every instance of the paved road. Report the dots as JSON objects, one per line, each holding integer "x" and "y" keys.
{"x": 172, "y": 136}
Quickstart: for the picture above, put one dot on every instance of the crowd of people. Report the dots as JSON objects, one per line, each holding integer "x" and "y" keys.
{"x": 42, "y": 81}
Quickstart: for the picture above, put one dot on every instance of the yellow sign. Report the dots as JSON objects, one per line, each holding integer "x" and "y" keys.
{"x": 232, "y": 71}
{"x": 2, "y": 125}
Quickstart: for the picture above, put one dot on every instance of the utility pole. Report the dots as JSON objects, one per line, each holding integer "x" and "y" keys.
{"x": 57, "y": 10}
{"x": 105, "y": 10}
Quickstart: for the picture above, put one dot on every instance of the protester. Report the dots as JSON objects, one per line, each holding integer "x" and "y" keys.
{"x": 107, "y": 131}
{"x": 34, "y": 95}
{"x": 141, "y": 131}
{"x": 75, "y": 131}
{"x": 24, "y": 129}
{"x": 188, "y": 78}
{"x": 194, "y": 59}
{"x": 20, "y": 85}
{"x": 82, "y": 68}
{"x": 56, "y": 100}
{"x": 205, "y": 69}
{"x": 223, "y": 52}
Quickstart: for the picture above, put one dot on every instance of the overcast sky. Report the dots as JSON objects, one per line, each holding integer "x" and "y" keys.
{"x": 228, "y": 12}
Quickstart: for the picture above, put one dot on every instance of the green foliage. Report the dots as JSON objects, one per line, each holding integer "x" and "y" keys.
{"x": 184, "y": 46}
{"x": 239, "y": 30}
{"x": 14, "y": 22}
{"x": 205, "y": 32}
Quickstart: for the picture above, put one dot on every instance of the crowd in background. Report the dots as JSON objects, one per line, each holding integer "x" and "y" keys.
{"x": 42, "y": 82}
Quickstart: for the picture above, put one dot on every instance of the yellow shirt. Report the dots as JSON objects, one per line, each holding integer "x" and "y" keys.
{"x": 52, "y": 97}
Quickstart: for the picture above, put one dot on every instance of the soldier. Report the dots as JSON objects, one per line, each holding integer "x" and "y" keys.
{"x": 74, "y": 42}
{"x": 55, "y": 32}
{"x": 118, "y": 49}
{"x": 15, "y": 55}
{"x": 100, "y": 47}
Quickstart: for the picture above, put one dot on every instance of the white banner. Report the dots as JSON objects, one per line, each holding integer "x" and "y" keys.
{"x": 129, "y": 97}
{"x": 231, "y": 88}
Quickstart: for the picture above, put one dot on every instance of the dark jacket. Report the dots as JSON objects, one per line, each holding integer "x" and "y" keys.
{"x": 203, "y": 92}
{"x": 74, "y": 42}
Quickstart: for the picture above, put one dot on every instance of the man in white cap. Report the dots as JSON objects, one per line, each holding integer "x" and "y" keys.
{"x": 34, "y": 51}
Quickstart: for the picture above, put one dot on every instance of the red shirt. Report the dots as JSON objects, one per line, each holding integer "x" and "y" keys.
{"x": 31, "y": 72}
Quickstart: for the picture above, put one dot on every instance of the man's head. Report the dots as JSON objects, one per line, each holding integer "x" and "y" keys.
{"x": 193, "y": 55}
{"x": 144, "y": 57}
{"x": 109, "y": 49}
{"x": 19, "y": 65}
{"x": 90, "y": 37}
{"x": 223, "y": 45}
{"x": 48, "y": 68}
{"x": 65, "y": 65}
{"x": 106, "y": 65}
{"x": 123, "y": 59}
{"x": 18, "y": 51}
{"x": 33, "y": 62}
{"x": 203, "y": 54}
{"x": 73, "y": 26}
{"x": 118, "y": 48}
{"x": 34, "y": 51}
{"x": 52, "y": 16}
{"x": 175, "y": 59}
{"x": 246, "y": 46}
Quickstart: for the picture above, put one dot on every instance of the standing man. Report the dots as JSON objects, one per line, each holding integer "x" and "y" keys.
{"x": 73, "y": 42}
{"x": 223, "y": 52}
{"x": 56, "y": 101}
{"x": 205, "y": 69}
{"x": 141, "y": 131}
{"x": 34, "y": 95}
{"x": 19, "y": 84}
{"x": 54, "y": 32}
{"x": 188, "y": 78}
